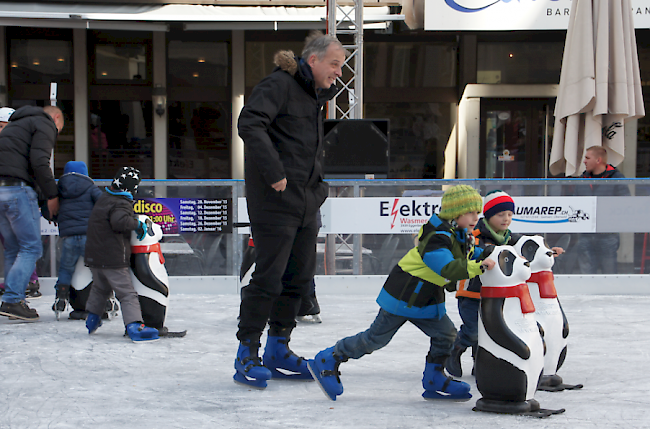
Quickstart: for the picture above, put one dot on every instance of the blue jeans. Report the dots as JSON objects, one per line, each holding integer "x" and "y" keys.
{"x": 20, "y": 226}
{"x": 72, "y": 249}
{"x": 598, "y": 251}
{"x": 468, "y": 310}
{"x": 442, "y": 333}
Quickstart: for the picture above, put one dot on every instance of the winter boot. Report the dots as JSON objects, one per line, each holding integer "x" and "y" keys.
{"x": 78, "y": 315}
{"x": 33, "y": 290}
{"x": 138, "y": 332}
{"x": 453, "y": 365}
{"x": 325, "y": 369}
{"x": 281, "y": 361}
{"x": 437, "y": 385}
{"x": 18, "y": 311}
{"x": 62, "y": 299}
{"x": 249, "y": 368}
{"x": 93, "y": 321}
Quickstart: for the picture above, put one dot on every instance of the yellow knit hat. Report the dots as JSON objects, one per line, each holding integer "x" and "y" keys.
{"x": 458, "y": 200}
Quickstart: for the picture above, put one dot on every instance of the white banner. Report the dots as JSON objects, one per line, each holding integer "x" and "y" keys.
{"x": 399, "y": 215}
{"x": 500, "y": 15}
{"x": 48, "y": 228}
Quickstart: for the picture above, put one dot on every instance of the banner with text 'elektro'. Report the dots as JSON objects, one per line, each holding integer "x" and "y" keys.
{"x": 397, "y": 215}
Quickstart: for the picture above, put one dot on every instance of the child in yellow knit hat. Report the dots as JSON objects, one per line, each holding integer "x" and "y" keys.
{"x": 414, "y": 293}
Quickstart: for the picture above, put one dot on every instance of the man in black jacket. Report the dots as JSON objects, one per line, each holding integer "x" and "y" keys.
{"x": 26, "y": 145}
{"x": 281, "y": 125}
{"x": 599, "y": 250}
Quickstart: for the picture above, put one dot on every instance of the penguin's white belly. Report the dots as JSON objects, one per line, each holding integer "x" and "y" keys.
{"x": 524, "y": 326}
{"x": 549, "y": 315}
{"x": 160, "y": 272}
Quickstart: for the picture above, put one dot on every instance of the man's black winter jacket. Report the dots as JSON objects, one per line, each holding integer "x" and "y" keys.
{"x": 281, "y": 125}
{"x": 26, "y": 145}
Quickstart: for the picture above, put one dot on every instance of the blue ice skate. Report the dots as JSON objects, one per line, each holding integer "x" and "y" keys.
{"x": 93, "y": 321}
{"x": 138, "y": 332}
{"x": 325, "y": 370}
{"x": 282, "y": 362}
{"x": 249, "y": 368}
{"x": 437, "y": 385}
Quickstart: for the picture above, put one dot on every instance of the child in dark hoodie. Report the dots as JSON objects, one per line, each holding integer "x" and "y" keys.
{"x": 77, "y": 196}
{"x": 108, "y": 254}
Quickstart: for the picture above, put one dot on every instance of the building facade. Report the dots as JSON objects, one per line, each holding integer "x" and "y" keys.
{"x": 159, "y": 85}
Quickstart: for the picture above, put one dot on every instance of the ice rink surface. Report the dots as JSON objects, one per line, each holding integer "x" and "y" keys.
{"x": 54, "y": 375}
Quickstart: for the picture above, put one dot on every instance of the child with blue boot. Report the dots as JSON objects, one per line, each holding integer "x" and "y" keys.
{"x": 108, "y": 254}
{"x": 77, "y": 197}
{"x": 414, "y": 292}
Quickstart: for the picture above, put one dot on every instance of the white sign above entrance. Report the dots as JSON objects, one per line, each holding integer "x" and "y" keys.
{"x": 506, "y": 15}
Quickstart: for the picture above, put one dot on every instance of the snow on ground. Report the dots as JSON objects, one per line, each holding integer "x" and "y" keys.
{"x": 54, "y": 375}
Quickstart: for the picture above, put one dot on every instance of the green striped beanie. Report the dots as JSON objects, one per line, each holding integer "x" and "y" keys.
{"x": 458, "y": 200}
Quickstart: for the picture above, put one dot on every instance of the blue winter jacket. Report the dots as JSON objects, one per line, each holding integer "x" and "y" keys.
{"x": 78, "y": 194}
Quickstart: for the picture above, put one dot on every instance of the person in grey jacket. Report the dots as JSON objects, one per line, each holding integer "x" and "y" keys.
{"x": 281, "y": 125}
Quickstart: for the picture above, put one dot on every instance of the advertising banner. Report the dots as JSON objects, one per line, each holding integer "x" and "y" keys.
{"x": 400, "y": 215}
{"x": 506, "y": 15}
{"x": 178, "y": 215}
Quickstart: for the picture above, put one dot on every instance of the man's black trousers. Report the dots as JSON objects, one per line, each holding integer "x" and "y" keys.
{"x": 285, "y": 264}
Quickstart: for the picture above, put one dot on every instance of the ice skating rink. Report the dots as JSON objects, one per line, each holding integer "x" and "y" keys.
{"x": 54, "y": 375}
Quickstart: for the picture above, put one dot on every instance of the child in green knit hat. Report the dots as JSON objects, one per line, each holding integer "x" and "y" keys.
{"x": 414, "y": 293}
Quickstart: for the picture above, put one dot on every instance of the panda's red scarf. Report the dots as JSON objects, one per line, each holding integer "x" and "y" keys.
{"x": 518, "y": 291}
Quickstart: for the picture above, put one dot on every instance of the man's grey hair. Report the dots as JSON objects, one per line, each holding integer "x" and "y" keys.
{"x": 317, "y": 44}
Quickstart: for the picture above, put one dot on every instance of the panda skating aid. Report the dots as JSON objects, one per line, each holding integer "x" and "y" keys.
{"x": 150, "y": 278}
{"x": 510, "y": 355}
{"x": 548, "y": 310}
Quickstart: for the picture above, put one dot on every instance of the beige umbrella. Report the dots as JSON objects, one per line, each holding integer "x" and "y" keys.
{"x": 600, "y": 84}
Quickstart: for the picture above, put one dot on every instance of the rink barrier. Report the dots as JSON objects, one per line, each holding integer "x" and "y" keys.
{"x": 632, "y": 284}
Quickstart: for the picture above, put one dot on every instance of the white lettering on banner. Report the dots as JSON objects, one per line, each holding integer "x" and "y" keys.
{"x": 398, "y": 215}
{"x": 500, "y": 15}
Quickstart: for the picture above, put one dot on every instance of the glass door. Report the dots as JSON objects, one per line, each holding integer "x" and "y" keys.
{"x": 515, "y": 138}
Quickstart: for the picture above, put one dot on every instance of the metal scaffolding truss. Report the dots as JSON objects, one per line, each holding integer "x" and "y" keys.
{"x": 346, "y": 20}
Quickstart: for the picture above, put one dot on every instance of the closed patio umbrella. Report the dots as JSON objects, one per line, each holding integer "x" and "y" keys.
{"x": 600, "y": 84}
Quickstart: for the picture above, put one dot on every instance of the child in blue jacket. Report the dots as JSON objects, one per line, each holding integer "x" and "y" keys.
{"x": 414, "y": 292}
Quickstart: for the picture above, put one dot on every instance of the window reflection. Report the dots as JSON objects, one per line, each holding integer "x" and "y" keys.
{"x": 198, "y": 140}
{"x": 418, "y": 136}
{"x": 120, "y": 135}
{"x": 123, "y": 61}
{"x": 198, "y": 63}
{"x": 40, "y": 61}
{"x": 519, "y": 62}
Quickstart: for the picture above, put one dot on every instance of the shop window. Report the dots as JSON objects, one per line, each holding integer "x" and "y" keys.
{"x": 418, "y": 136}
{"x": 198, "y": 63}
{"x": 519, "y": 62}
{"x": 414, "y": 65}
{"x": 40, "y": 61}
{"x": 120, "y": 135}
{"x": 124, "y": 61}
{"x": 199, "y": 140}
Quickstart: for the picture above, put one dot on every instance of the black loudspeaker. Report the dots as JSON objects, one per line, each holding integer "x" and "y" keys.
{"x": 353, "y": 148}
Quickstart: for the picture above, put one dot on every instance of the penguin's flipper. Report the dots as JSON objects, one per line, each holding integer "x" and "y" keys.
{"x": 498, "y": 330}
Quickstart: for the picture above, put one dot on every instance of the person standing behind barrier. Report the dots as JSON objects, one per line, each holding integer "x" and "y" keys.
{"x": 26, "y": 145}
{"x": 78, "y": 196}
{"x": 281, "y": 127}
{"x": 599, "y": 250}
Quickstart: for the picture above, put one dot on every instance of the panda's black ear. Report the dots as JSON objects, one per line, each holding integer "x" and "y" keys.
{"x": 486, "y": 252}
{"x": 529, "y": 249}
